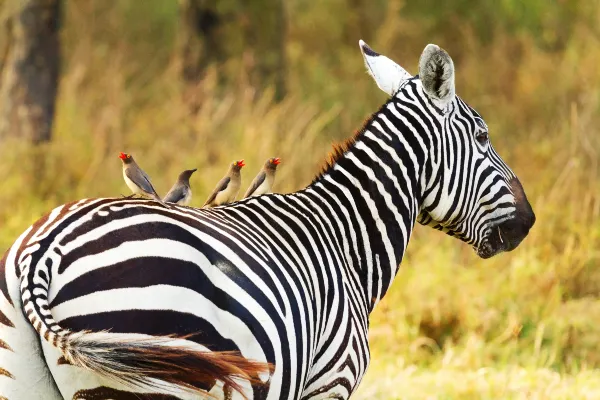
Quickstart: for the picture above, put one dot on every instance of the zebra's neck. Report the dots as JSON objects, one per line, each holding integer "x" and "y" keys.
{"x": 372, "y": 191}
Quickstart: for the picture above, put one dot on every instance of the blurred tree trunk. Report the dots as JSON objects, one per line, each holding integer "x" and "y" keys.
{"x": 200, "y": 45}
{"x": 265, "y": 33}
{"x": 213, "y": 31}
{"x": 29, "y": 68}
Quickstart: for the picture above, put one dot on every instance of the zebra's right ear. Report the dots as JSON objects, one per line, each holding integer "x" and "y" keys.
{"x": 387, "y": 74}
{"x": 436, "y": 71}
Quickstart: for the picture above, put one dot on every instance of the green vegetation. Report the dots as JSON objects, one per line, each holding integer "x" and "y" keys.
{"x": 521, "y": 325}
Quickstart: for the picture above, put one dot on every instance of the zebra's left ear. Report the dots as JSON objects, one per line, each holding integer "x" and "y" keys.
{"x": 387, "y": 74}
{"x": 436, "y": 71}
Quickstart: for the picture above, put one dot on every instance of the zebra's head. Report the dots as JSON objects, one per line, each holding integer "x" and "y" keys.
{"x": 466, "y": 189}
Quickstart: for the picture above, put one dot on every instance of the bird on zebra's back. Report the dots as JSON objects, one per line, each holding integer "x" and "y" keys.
{"x": 227, "y": 189}
{"x": 263, "y": 183}
{"x": 137, "y": 180}
{"x": 181, "y": 192}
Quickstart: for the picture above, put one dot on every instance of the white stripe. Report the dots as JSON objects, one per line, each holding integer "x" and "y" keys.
{"x": 363, "y": 229}
{"x": 373, "y": 207}
{"x": 410, "y": 205}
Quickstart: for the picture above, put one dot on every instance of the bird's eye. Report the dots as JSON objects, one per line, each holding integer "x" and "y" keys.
{"x": 482, "y": 137}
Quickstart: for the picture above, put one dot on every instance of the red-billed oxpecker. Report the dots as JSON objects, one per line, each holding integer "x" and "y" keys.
{"x": 181, "y": 192}
{"x": 136, "y": 179}
{"x": 263, "y": 183}
{"x": 227, "y": 189}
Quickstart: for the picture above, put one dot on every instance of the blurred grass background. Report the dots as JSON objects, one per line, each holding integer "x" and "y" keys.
{"x": 522, "y": 325}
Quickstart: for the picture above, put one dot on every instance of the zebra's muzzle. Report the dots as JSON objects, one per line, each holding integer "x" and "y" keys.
{"x": 508, "y": 234}
{"x": 505, "y": 236}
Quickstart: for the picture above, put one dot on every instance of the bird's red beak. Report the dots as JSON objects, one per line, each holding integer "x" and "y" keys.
{"x": 276, "y": 161}
{"x": 122, "y": 156}
{"x": 241, "y": 163}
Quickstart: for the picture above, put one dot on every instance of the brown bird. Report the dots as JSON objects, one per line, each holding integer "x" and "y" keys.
{"x": 181, "y": 192}
{"x": 264, "y": 180}
{"x": 136, "y": 179}
{"x": 228, "y": 187}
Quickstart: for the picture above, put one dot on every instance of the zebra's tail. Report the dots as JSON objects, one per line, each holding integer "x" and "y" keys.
{"x": 137, "y": 361}
{"x": 144, "y": 361}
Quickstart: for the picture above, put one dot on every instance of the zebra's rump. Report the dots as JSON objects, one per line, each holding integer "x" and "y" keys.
{"x": 127, "y": 267}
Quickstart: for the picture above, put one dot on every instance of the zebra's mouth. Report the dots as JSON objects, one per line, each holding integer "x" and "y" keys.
{"x": 496, "y": 242}
{"x": 504, "y": 236}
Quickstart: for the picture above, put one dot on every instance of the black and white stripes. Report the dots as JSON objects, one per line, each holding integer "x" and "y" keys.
{"x": 288, "y": 280}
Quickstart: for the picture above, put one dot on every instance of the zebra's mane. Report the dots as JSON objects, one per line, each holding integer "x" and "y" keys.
{"x": 339, "y": 149}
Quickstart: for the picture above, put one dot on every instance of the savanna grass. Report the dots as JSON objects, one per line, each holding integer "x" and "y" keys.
{"x": 521, "y": 325}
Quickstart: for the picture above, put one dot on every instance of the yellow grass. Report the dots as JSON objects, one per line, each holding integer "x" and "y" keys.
{"x": 522, "y": 325}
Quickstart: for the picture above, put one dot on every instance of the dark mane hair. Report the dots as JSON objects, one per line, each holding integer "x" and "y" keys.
{"x": 340, "y": 148}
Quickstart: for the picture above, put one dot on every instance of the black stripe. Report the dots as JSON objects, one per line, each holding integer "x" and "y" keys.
{"x": 153, "y": 322}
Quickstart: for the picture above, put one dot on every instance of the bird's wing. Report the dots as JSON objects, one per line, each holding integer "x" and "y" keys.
{"x": 260, "y": 178}
{"x": 176, "y": 194}
{"x": 140, "y": 178}
{"x": 222, "y": 185}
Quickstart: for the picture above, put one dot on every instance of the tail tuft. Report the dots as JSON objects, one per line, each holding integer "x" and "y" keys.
{"x": 136, "y": 362}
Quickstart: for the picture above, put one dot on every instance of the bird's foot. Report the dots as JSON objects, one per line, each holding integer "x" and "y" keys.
{"x": 131, "y": 196}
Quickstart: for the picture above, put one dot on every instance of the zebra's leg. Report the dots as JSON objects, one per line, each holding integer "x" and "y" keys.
{"x": 24, "y": 374}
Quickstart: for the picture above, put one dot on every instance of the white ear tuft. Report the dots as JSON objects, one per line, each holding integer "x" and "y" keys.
{"x": 436, "y": 71}
{"x": 387, "y": 74}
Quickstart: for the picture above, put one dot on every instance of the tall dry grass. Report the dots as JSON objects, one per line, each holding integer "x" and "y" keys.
{"x": 520, "y": 325}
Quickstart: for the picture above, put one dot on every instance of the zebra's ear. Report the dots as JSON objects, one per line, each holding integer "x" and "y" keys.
{"x": 436, "y": 71}
{"x": 387, "y": 74}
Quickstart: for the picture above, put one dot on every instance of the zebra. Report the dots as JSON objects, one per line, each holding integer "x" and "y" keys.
{"x": 265, "y": 298}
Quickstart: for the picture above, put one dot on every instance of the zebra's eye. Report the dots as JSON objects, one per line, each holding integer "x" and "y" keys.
{"x": 482, "y": 137}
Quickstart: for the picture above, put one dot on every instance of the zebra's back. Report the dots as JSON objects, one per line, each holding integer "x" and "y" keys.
{"x": 233, "y": 279}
